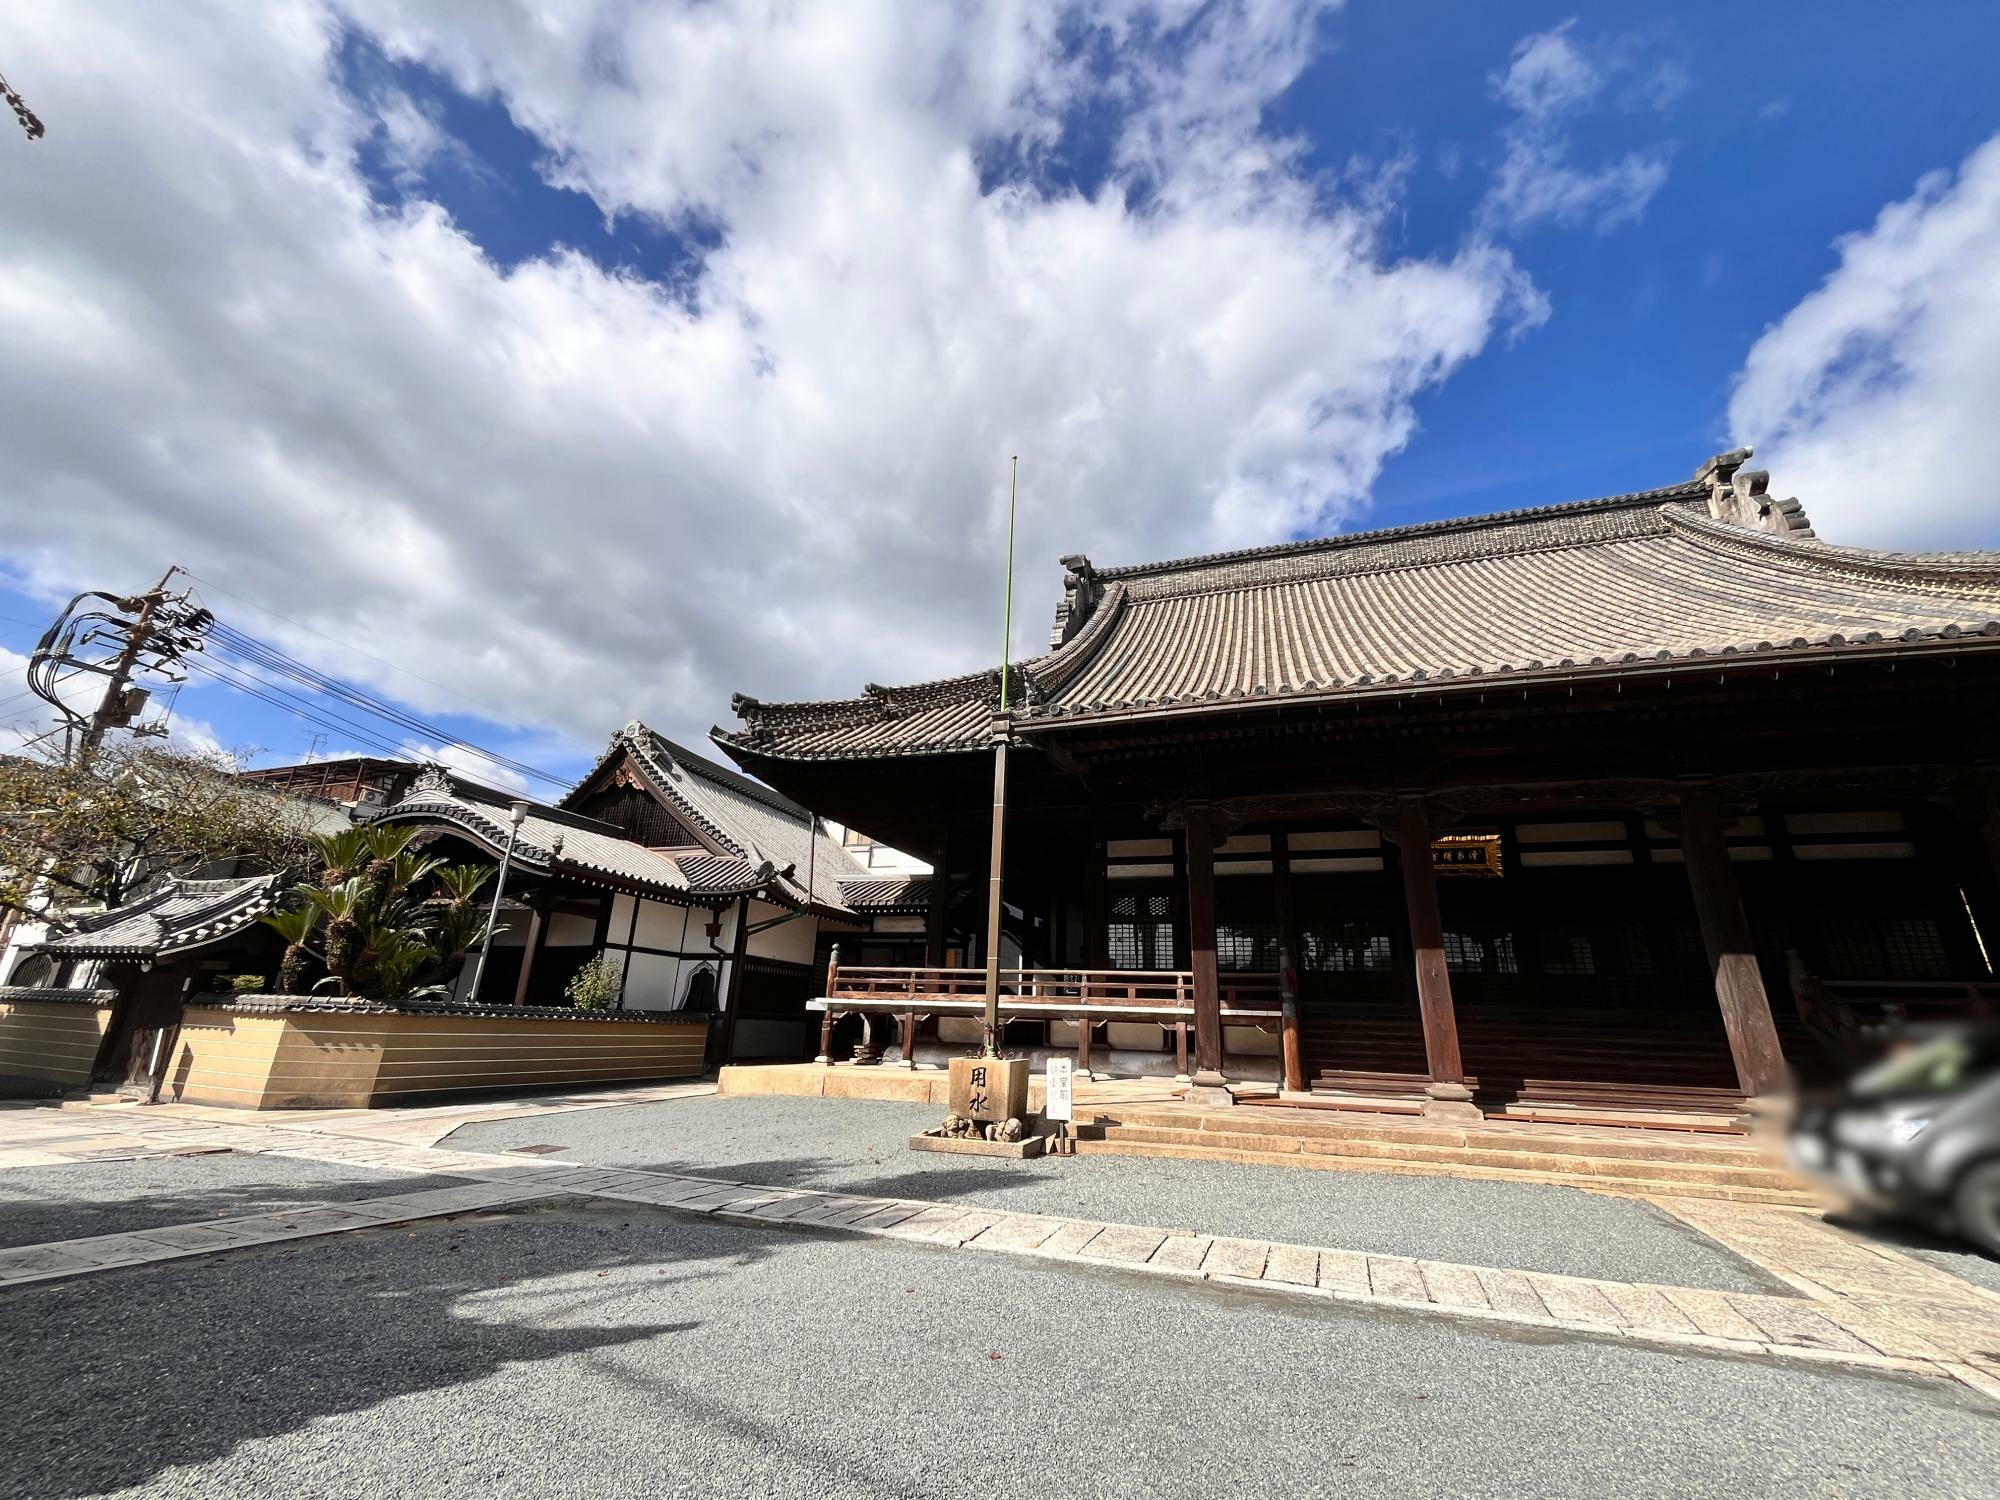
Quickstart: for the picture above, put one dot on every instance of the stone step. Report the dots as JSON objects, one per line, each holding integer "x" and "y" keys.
{"x": 1301, "y": 1125}
{"x": 1328, "y": 1161}
{"x": 1575, "y": 1161}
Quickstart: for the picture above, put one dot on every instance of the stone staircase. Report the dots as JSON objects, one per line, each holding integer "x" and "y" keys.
{"x": 1606, "y": 1159}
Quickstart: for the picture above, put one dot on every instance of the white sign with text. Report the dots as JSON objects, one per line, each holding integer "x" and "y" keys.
{"x": 1061, "y": 1073}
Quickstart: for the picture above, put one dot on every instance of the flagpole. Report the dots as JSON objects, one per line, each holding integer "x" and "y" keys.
{"x": 996, "y": 858}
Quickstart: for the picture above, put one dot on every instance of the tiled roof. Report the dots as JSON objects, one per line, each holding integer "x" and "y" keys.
{"x": 1707, "y": 568}
{"x": 898, "y": 893}
{"x": 554, "y": 841}
{"x": 175, "y": 917}
{"x": 745, "y": 817}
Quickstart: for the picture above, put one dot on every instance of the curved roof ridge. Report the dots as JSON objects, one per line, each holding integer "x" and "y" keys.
{"x": 1976, "y": 569}
{"x": 1686, "y": 490}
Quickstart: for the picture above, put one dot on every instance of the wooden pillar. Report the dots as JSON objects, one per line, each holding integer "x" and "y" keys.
{"x": 1208, "y": 1086}
{"x": 826, "y": 1016}
{"x": 732, "y": 994}
{"x": 1732, "y": 960}
{"x": 937, "y": 915}
{"x": 1294, "y": 1075}
{"x": 1097, "y": 902}
{"x": 538, "y": 929}
{"x": 1446, "y": 1095}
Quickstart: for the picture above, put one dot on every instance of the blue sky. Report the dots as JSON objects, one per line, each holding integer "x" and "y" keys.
{"x": 599, "y": 372}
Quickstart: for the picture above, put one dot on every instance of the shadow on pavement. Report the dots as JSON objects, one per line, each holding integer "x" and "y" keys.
{"x": 114, "y": 1378}
{"x": 40, "y": 1204}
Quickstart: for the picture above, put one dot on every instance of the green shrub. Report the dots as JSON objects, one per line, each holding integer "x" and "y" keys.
{"x": 596, "y": 984}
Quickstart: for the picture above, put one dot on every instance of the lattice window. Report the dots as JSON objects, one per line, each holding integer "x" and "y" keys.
{"x": 1567, "y": 953}
{"x": 1480, "y": 953}
{"x": 1141, "y": 932}
{"x": 1247, "y": 947}
{"x": 1885, "y": 948}
{"x": 1345, "y": 948}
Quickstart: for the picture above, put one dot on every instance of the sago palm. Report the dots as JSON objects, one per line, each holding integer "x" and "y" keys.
{"x": 294, "y": 926}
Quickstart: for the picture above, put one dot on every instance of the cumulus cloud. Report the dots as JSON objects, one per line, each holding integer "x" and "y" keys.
{"x": 1552, "y": 80}
{"x": 1873, "y": 399}
{"x": 585, "y": 496}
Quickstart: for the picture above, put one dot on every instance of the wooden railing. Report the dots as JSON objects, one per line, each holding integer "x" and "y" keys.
{"x": 1088, "y": 997}
{"x": 1079, "y": 989}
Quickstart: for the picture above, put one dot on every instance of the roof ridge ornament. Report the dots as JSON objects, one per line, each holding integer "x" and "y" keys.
{"x": 1742, "y": 497}
{"x": 433, "y": 779}
{"x": 1082, "y": 591}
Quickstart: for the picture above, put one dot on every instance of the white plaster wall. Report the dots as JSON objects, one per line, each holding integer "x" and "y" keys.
{"x": 791, "y": 942}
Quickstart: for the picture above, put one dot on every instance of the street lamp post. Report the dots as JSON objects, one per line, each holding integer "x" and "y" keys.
{"x": 516, "y": 816}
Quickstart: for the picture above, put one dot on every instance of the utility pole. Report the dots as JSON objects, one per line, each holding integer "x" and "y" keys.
{"x": 115, "y": 707}
{"x": 152, "y": 632}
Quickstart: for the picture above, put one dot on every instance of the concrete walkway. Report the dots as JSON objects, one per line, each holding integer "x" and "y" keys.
{"x": 1857, "y": 1304}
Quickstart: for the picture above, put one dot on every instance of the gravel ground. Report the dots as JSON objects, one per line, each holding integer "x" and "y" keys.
{"x": 38, "y": 1204}
{"x": 860, "y": 1146}
{"x": 605, "y": 1352}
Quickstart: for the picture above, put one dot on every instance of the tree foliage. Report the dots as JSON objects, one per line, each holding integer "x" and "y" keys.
{"x": 390, "y": 923}
{"x": 75, "y": 836}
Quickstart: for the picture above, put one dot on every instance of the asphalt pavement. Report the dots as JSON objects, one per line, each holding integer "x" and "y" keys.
{"x": 861, "y": 1145}
{"x": 604, "y": 1351}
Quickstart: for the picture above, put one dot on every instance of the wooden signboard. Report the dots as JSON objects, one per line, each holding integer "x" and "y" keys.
{"x": 1466, "y": 854}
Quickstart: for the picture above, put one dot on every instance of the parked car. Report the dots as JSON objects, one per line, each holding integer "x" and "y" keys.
{"x": 1915, "y": 1136}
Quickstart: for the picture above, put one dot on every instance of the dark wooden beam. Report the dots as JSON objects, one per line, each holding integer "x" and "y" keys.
{"x": 1447, "y": 1094}
{"x": 1208, "y": 1086}
{"x": 1725, "y": 933}
{"x": 538, "y": 930}
{"x": 1097, "y": 902}
{"x": 733, "y": 993}
{"x": 937, "y": 915}
{"x": 1288, "y": 965}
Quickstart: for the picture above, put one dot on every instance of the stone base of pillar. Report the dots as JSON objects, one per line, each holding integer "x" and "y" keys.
{"x": 1451, "y": 1102}
{"x": 1210, "y": 1091}
{"x": 1766, "y": 1116}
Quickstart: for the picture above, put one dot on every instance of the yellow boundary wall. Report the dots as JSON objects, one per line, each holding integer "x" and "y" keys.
{"x": 270, "y": 1053}
{"x": 55, "y": 1039}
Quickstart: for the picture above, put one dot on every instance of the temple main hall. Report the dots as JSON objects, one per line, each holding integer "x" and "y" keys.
{"x": 1646, "y": 803}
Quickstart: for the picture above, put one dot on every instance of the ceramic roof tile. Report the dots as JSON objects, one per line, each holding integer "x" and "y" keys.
{"x": 175, "y": 917}
{"x": 1594, "y": 584}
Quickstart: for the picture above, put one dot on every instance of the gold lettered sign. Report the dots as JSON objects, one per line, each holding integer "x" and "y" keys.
{"x": 1466, "y": 854}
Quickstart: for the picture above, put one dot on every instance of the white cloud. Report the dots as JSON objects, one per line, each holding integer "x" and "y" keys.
{"x": 581, "y": 497}
{"x": 1873, "y": 399}
{"x": 1551, "y": 81}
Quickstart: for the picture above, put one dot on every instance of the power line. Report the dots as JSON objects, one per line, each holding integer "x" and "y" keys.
{"x": 249, "y": 665}
{"x": 248, "y": 650}
{"x": 501, "y": 715}
{"x": 245, "y": 684}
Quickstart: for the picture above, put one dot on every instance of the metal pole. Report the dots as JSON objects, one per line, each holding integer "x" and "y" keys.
{"x": 1007, "y": 610}
{"x": 993, "y": 908}
{"x": 999, "y": 845}
{"x": 493, "y": 913}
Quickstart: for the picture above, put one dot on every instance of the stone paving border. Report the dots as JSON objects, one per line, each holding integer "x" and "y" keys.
{"x": 1859, "y": 1305}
